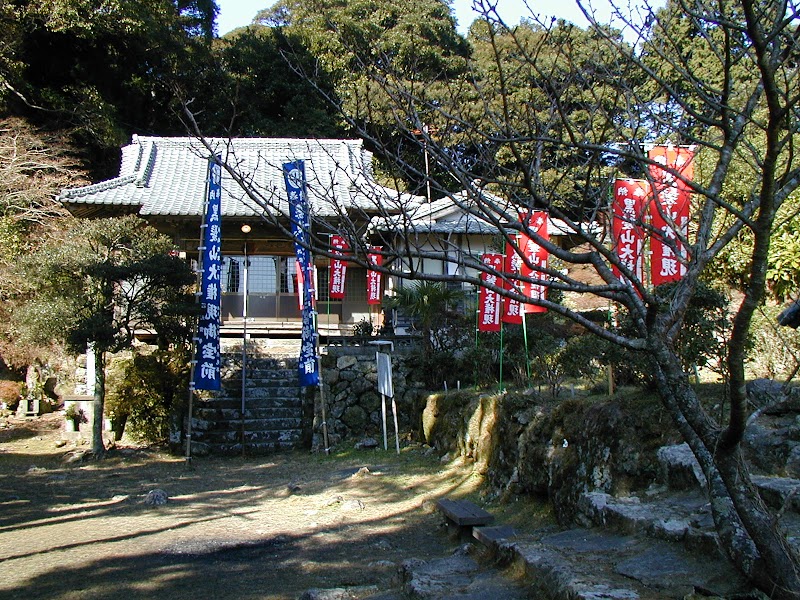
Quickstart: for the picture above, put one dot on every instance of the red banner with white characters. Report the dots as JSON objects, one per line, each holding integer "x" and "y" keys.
{"x": 489, "y": 301}
{"x": 338, "y": 272}
{"x": 512, "y": 265}
{"x": 374, "y": 290}
{"x": 537, "y": 257}
{"x": 629, "y": 206}
{"x": 298, "y": 276}
{"x": 669, "y": 211}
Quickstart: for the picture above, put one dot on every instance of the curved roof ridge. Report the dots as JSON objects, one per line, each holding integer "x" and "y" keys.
{"x": 145, "y": 166}
{"x": 97, "y": 187}
{"x": 248, "y": 141}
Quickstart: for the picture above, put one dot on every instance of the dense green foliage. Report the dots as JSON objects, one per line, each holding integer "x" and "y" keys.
{"x": 438, "y": 313}
{"x": 102, "y": 70}
{"x": 146, "y": 392}
{"x": 101, "y": 281}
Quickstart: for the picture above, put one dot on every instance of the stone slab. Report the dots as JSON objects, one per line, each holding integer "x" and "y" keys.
{"x": 464, "y": 513}
{"x": 489, "y": 536}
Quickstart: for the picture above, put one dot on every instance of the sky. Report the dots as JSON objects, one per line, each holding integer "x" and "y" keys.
{"x": 236, "y": 13}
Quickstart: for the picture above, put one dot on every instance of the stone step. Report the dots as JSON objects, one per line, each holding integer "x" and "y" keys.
{"x": 235, "y": 414}
{"x": 250, "y": 385}
{"x": 678, "y": 517}
{"x": 455, "y": 577}
{"x": 230, "y": 442}
{"x": 256, "y": 394}
{"x": 260, "y": 400}
{"x": 591, "y": 564}
{"x": 232, "y": 361}
{"x": 779, "y": 493}
{"x": 273, "y": 405}
{"x": 679, "y": 468}
{"x": 266, "y": 424}
{"x": 273, "y": 347}
{"x": 260, "y": 374}
{"x": 681, "y": 471}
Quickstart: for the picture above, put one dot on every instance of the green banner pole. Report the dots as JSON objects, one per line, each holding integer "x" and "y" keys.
{"x": 525, "y": 336}
{"x": 501, "y": 356}
{"x": 477, "y": 331}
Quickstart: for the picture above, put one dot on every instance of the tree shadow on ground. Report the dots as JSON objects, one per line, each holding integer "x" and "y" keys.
{"x": 279, "y": 567}
{"x": 267, "y": 527}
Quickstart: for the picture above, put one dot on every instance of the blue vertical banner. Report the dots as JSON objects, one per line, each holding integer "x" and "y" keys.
{"x": 207, "y": 358}
{"x": 295, "y": 175}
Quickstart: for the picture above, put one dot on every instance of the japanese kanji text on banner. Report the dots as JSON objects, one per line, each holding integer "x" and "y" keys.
{"x": 374, "y": 277}
{"x": 295, "y": 177}
{"x": 537, "y": 256}
{"x": 206, "y": 372}
{"x": 669, "y": 211}
{"x": 338, "y": 272}
{"x": 512, "y": 309}
{"x": 629, "y": 206}
{"x": 490, "y": 302}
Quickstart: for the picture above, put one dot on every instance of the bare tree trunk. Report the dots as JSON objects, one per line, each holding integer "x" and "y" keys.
{"x": 98, "y": 446}
{"x": 748, "y": 531}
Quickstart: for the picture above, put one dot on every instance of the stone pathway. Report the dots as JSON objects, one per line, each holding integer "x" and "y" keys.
{"x": 659, "y": 546}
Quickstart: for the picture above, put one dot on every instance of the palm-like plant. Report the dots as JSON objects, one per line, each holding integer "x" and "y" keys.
{"x": 428, "y": 304}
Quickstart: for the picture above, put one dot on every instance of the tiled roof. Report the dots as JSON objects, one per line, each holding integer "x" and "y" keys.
{"x": 166, "y": 176}
{"x": 448, "y": 216}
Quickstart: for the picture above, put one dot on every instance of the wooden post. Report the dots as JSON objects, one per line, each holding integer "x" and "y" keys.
{"x": 610, "y": 380}
{"x": 383, "y": 420}
{"x": 396, "y": 428}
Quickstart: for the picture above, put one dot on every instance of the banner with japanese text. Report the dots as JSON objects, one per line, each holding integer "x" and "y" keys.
{"x": 669, "y": 211}
{"x": 338, "y": 271}
{"x": 537, "y": 256}
{"x": 490, "y": 302}
{"x": 374, "y": 280}
{"x": 295, "y": 178}
{"x": 629, "y": 206}
{"x": 301, "y": 287}
{"x": 512, "y": 309}
{"x": 207, "y": 358}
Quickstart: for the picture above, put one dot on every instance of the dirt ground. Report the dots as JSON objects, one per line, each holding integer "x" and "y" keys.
{"x": 260, "y": 527}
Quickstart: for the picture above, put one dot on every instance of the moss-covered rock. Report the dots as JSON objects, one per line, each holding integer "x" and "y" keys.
{"x": 558, "y": 449}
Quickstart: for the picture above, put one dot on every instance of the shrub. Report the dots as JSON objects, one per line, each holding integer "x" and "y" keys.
{"x": 76, "y": 415}
{"x": 774, "y": 351}
{"x": 702, "y": 341}
{"x": 146, "y": 389}
{"x": 363, "y": 328}
{"x": 10, "y": 393}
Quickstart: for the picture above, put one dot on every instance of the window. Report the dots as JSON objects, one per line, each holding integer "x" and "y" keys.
{"x": 261, "y": 274}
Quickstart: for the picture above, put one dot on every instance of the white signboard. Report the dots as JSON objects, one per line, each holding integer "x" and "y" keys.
{"x": 384, "y": 374}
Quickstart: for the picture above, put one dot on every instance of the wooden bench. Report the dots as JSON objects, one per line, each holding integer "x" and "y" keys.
{"x": 464, "y": 513}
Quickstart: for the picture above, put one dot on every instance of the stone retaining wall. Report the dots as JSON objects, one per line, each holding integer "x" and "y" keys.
{"x": 352, "y": 401}
{"x": 557, "y": 449}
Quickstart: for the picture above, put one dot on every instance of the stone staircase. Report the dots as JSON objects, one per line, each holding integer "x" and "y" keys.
{"x": 658, "y": 544}
{"x": 273, "y": 417}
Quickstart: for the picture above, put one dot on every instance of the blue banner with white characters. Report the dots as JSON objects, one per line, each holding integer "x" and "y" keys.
{"x": 206, "y": 371}
{"x": 295, "y": 175}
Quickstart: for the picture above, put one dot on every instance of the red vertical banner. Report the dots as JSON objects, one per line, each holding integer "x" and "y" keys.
{"x": 537, "y": 257}
{"x": 489, "y": 301}
{"x": 338, "y": 271}
{"x": 374, "y": 290}
{"x": 512, "y": 309}
{"x": 629, "y": 205}
{"x": 300, "y": 285}
{"x": 669, "y": 211}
